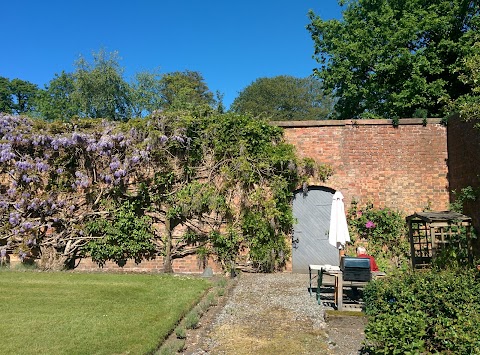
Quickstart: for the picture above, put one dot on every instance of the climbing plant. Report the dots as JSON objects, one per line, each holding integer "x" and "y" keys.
{"x": 172, "y": 184}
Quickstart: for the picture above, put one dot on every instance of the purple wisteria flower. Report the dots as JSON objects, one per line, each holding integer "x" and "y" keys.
{"x": 11, "y": 191}
{"x": 14, "y": 218}
{"x": 3, "y": 252}
{"x": 22, "y": 255}
{"x": 34, "y": 204}
{"x": 31, "y": 242}
{"x": 19, "y": 204}
{"x": 135, "y": 159}
{"x": 82, "y": 180}
{"x": 114, "y": 165}
{"x": 370, "y": 225}
{"x": 26, "y": 178}
{"x": 42, "y": 166}
{"x": 120, "y": 173}
{"x": 23, "y": 165}
{"x": 179, "y": 139}
{"x": 6, "y": 153}
{"x": 78, "y": 137}
{"x": 25, "y": 226}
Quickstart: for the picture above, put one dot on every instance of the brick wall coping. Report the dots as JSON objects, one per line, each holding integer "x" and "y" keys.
{"x": 360, "y": 122}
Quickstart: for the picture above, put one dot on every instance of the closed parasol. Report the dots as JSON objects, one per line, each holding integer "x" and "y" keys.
{"x": 338, "y": 233}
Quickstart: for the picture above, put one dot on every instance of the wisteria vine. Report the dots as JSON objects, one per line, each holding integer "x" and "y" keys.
{"x": 178, "y": 183}
{"x": 53, "y": 177}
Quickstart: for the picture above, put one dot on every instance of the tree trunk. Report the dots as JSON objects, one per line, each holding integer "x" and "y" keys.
{"x": 167, "y": 264}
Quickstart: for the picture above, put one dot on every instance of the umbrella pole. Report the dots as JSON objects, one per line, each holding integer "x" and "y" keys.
{"x": 341, "y": 254}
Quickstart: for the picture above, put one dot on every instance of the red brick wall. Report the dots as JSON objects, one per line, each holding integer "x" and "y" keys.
{"x": 188, "y": 264}
{"x": 402, "y": 167}
{"x": 464, "y": 162}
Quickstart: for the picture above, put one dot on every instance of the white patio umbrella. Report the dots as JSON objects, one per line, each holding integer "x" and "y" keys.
{"x": 338, "y": 233}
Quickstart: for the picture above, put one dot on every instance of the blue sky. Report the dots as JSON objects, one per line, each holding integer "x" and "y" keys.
{"x": 231, "y": 43}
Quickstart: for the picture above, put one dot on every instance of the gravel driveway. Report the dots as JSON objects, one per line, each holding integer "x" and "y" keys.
{"x": 274, "y": 314}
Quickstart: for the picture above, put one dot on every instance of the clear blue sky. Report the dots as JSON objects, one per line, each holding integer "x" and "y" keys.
{"x": 230, "y": 42}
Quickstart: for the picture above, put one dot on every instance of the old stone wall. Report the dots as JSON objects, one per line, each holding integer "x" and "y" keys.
{"x": 403, "y": 167}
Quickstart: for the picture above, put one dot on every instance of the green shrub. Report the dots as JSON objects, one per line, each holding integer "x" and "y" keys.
{"x": 222, "y": 282}
{"x": 180, "y": 333}
{"x": 212, "y": 301}
{"x": 191, "y": 320}
{"x": 385, "y": 232}
{"x": 204, "y": 305}
{"x": 172, "y": 347}
{"x": 424, "y": 312}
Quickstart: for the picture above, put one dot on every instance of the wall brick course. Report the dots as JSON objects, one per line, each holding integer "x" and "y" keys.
{"x": 402, "y": 167}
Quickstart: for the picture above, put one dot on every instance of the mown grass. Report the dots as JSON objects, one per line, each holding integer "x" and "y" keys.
{"x": 72, "y": 313}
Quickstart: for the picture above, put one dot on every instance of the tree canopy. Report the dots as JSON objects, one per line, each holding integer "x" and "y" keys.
{"x": 56, "y": 101}
{"x": 98, "y": 89}
{"x": 285, "y": 98}
{"x": 468, "y": 106}
{"x": 395, "y": 58}
{"x": 184, "y": 90}
{"x": 17, "y": 96}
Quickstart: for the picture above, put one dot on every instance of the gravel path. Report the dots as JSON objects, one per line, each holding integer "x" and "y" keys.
{"x": 274, "y": 314}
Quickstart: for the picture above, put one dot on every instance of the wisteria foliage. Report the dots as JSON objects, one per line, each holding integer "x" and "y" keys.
{"x": 53, "y": 178}
{"x": 198, "y": 174}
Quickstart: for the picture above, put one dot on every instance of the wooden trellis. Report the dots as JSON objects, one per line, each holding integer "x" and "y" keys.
{"x": 429, "y": 232}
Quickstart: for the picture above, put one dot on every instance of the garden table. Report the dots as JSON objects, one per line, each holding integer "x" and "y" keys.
{"x": 314, "y": 271}
{"x": 337, "y": 273}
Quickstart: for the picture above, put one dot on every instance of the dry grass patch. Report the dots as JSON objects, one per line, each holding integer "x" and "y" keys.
{"x": 270, "y": 331}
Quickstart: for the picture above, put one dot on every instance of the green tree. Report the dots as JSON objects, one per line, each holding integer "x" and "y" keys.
{"x": 100, "y": 90}
{"x": 6, "y": 101}
{"x": 23, "y": 95}
{"x": 469, "y": 105}
{"x": 56, "y": 102}
{"x": 285, "y": 98}
{"x": 146, "y": 93}
{"x": 185, "y": 90}
{"x": 393, "y": 58}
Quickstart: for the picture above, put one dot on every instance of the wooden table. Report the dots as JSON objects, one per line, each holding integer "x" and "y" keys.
{"x": 339, "y": 283}
{"x": 318, "y": 272}
{"x": 338, "y": 289}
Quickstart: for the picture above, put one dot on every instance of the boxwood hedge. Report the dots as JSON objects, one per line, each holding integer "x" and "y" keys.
{"x": 424, "y": 312}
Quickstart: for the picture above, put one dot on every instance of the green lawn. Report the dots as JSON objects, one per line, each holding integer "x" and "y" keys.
{"x": 72, "y": 313}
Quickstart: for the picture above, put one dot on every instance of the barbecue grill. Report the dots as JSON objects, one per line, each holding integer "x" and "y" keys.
{"x": 355, "y": 269}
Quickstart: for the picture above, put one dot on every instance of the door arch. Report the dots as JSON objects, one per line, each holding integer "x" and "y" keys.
{"x": 310, "y": 233}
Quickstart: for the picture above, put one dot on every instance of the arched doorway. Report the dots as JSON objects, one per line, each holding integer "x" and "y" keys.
{"x": 310, "y": 233}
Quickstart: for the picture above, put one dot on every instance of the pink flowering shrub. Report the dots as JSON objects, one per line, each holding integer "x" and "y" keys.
{"x": 383, "y": 230}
